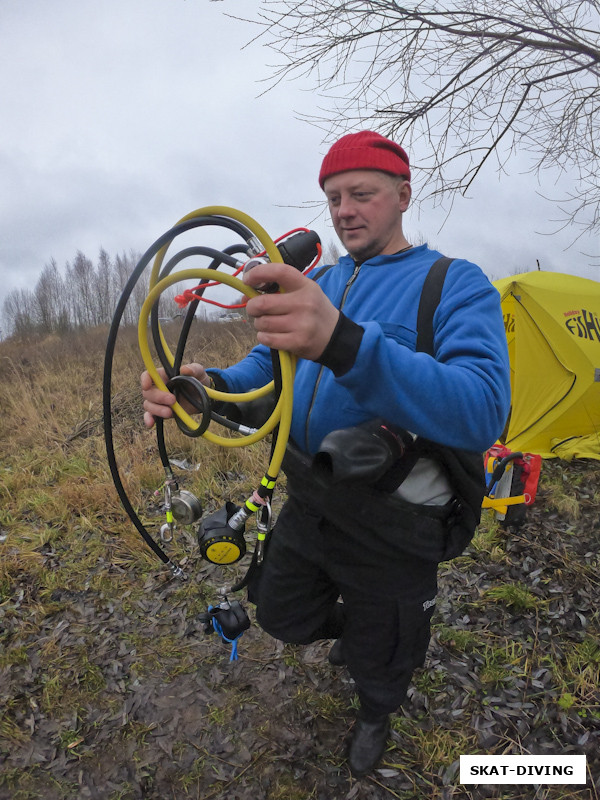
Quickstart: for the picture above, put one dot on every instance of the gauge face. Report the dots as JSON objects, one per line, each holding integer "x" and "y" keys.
{"x": 186, "y": 507}
{"x": 224, "y": 551}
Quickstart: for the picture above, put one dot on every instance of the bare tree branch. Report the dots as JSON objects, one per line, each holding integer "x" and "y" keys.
{"x": 467, "y": 82}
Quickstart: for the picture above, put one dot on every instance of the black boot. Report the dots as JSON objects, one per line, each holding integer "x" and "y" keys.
{"x": 368, "y": 744}
{"x": 336, "y": 654}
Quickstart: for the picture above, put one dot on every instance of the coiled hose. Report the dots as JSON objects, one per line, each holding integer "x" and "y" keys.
{"x": 256, "y": 241}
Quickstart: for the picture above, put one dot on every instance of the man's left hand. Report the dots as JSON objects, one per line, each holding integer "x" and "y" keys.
{"x": 299, "y": 319}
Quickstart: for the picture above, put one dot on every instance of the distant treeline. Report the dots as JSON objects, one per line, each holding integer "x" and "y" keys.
{"x": 84, "y": 295}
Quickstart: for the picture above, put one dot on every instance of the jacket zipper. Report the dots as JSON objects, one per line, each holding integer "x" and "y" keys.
{"x": 349, "y": 283}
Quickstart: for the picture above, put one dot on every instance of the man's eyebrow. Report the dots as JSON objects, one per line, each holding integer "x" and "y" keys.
{"x": 357, "y": 187}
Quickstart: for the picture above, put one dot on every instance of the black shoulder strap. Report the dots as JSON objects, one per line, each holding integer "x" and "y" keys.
{"x": 464, "y": 468}
{"x": 431, "y": 294}
{"x": 321, "y": 271}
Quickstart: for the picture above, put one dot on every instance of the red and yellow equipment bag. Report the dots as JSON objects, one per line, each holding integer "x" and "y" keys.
{"x": 512, "y": 480}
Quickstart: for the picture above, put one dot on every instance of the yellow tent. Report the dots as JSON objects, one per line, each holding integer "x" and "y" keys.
{"x": 552, "y": 324}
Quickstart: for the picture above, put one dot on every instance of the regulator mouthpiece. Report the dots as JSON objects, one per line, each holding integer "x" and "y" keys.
{"x": 300, "y": 249}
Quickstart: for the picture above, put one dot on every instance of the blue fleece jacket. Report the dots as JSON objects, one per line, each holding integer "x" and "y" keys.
{"x": 370, "y": 369}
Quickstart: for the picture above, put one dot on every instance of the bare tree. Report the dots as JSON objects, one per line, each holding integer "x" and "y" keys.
{"x": 331, "y": 253}
{"x": 460, "y": 84}
{"x": 85, "y": 297}
{"x": 52, "y": 309}
{"x": 105, "y": 287}
{"x": 19, "y": 312}
{"x": 124, "y": 266}
{"x": 80, "y": 278}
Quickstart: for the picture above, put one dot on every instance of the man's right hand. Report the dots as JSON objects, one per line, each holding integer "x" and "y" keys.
{"x": 158, "y": 403}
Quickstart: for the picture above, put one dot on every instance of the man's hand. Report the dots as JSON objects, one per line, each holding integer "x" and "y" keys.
{"x": 300, "y": 320}
{"x": 158, "y": 403}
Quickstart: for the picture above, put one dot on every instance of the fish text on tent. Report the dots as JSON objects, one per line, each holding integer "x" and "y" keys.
{"x": 584, "y": 324}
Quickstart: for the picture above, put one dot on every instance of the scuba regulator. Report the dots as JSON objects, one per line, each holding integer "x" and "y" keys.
{"x": 220, "y": 534}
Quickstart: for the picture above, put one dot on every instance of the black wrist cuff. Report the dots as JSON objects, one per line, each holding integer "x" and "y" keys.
{"x": 341, "y": 351}
{"x": 220, "y": 384}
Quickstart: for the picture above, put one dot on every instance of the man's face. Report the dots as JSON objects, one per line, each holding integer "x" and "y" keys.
{"x": 366, "y": 209}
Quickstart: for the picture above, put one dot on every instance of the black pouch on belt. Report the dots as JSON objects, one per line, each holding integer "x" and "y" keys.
{"x": 374, "y": 453}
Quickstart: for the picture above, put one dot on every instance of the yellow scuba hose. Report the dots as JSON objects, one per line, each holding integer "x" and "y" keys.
{"x": 257, "y": 230}
{"x": 282, "y": 414}
{"x": 221, "y": 211}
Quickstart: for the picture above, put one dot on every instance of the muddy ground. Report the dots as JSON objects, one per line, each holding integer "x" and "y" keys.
{"x": 190, "y": 723}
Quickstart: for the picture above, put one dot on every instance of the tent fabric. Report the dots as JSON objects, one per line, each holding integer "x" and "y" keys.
{"x": 552, "y": 324}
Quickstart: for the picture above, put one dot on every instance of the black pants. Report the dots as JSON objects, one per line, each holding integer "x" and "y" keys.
{"x": 388, "y": 600}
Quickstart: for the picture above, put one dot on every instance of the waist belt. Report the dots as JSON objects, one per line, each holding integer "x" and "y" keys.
{"x": 422, "y": 531}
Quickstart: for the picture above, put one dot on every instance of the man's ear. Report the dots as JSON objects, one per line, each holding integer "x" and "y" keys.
{"x": 404, "y": 194}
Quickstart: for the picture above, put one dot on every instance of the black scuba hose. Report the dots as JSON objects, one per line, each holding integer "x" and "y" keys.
{"x": 163, "y": 241}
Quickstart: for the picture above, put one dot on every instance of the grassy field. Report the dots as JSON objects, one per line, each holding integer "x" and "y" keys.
{"x": 110, "y": 689}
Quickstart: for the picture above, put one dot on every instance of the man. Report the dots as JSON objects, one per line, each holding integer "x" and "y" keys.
{"x": 354, "y": 330}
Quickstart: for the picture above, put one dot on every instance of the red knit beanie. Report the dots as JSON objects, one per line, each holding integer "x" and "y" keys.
{"x": 364, "y": 150}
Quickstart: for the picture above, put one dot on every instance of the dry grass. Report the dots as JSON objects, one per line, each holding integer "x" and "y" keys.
{"x": 55, "y": 487}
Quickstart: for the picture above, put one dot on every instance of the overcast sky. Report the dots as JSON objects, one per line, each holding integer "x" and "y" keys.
{"x": 119, "y": 117}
